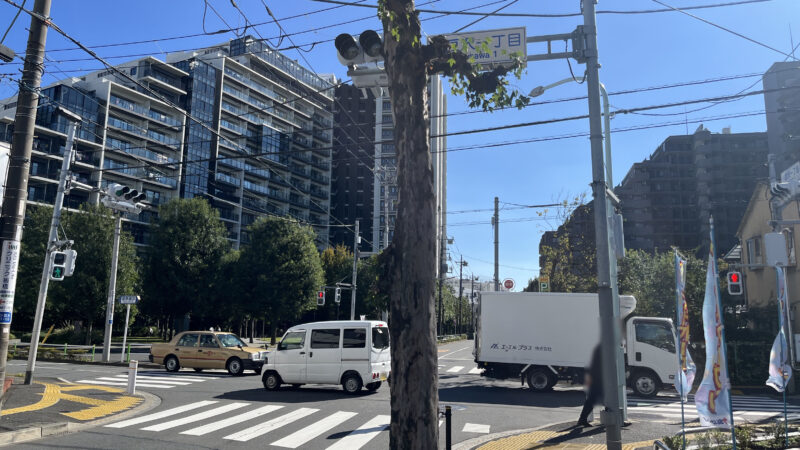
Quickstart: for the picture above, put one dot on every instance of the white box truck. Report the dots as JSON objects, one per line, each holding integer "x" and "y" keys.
{"x": 542, "y": 338}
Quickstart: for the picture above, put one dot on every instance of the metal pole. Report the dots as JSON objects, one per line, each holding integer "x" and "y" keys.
{"x": 112, "y": 287}
{"x": 472, "y": 305}
{"x": 441, "y": 282}
{"x": 496, "y": 223}
{"x": 448, "y": 437}
{"x": 51, "y": 242}
{"x": 16, "y": 191}
{"x": 460, "y": 291}
{"x": 355, "y": 275}
{"x": 386, "y": 209}
{"x": 609, "y": 310}
{"x": 125, "y": 333}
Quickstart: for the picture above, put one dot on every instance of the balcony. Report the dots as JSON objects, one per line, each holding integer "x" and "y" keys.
{"x": 319, "y": 178}
{"x": 228, "y": 179}
{"x": 300, "y": 170}
{"x": 319, "y": 193}
{"x": 254, "y": 187}
{"x": 278, "y": 195}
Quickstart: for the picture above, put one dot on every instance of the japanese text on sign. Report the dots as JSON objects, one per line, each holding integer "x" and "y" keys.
{"x": 499, "y": 49}
{"x": 521, "y": 347}
{"x": 9, "y": 259}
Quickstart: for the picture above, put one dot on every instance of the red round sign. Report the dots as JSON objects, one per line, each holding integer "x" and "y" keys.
{"x": 508, "y": 283}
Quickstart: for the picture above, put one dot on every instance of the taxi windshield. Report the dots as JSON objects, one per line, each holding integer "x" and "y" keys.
{"x": 230, "y": 340}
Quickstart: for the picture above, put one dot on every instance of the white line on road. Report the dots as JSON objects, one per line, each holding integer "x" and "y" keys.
{"x": 304, "y": 435}
{"x": 258, "y": 412}
{"x": 358, "y": 438}
{"x": 177, "y": 377}
{"x": 195, "y": 417}
{"x": 266, "y": 427}
{"x": 144, "y": 380}
{"x": 454, "y": 351}
{"x": 161, "y": 415}
{"x": 455, "y": 369}
{"x": 475, "y": 428}
{"x": 475, "y": 370}
{"x": 110, "y": 383}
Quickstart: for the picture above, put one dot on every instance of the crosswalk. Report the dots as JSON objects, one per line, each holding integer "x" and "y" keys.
{"x": 745, "y": 409}
{"x": 244, "y": 421}
{"x": 459, "y": 369}
{"x": 150, "y": 379}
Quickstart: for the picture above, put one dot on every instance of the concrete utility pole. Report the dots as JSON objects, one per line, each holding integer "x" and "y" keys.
{"x": 356, "y": 241}
{"x": 606, "y": 285}
{"x": 442, "y": 250}
{"x": 51, "y": 245}
{"x": 460, "y": 290}
{"x": 16, "y": 191}
{"x": 112, "y": 290}
{"x": 496, "y": 223}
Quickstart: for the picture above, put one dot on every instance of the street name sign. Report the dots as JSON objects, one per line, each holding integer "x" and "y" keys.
{"x": 128, "y": 299}
{"x": 501, "y": 45}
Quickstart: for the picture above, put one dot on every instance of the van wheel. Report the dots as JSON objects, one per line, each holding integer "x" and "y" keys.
{"x": 171, "y": 364}
{"x": 235, "y": 366}
{"x": 372, "y": 387}
{"x": 541, "y": 380}
{"x": 645, "y": 383}
{"x": 272, "y": 381}
{"x": 352, "y": 384}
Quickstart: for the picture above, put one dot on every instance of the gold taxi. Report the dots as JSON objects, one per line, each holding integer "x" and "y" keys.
{"x": 200, "y": 350}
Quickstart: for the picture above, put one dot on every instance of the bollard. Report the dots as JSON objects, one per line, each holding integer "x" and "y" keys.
{"x": 92, "y": 352}
{"x": 448, "y": 438}
{"x": 65, "y": 349}
{"x": 129, "y": 352}
{"x": 133, "y": 366}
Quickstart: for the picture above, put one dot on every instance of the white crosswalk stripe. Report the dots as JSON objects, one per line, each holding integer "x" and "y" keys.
{"x": 258, "y": 412}
{"x": 308, "y": 433}
{"x": 195, "y": 417}
{"x": 475, "y": 428}
{"x": 745, "y": 409}
{"x": 475, "y": 370}
{"x": 161, "y": 415}
{"x": 455, "y": 369}
{"x": 266, "y": 427}
{"x": 155, "y": 380}
{"x": 362, "y": 435}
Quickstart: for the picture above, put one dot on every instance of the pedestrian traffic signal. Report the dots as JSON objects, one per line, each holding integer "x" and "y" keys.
{"x": 58, "y": 268}
{"x": 337, "y": 295}
{"x": 735, "y": 283}
{"x": 320, "y": 298}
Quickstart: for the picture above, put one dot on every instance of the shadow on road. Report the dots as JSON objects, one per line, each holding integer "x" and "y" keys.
{"x": 299, "y": 395}
{"x": 478, "y": 392}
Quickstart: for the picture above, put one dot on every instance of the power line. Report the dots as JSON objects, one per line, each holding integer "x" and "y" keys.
{"x": 683, "y": 11}
{"x": 646, "y": 11}
{"x": 485, "y": 16}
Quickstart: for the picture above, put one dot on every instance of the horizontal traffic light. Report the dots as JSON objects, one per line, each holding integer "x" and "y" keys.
{"x": 368, "y": 48}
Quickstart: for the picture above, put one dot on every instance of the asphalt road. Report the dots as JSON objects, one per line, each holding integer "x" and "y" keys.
{"x": 214, "y": 410}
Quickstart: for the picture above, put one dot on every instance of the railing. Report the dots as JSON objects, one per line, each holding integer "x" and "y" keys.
{"x": 256, "y": 187}
{"x": 221, "y": 176}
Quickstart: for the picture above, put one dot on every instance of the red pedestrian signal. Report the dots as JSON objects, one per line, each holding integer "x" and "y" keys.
{"x": 320, "y": 298}
{"x": 735, "y": 283}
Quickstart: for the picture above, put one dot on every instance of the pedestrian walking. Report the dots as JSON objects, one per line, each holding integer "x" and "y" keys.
{"x": 594, "y": 387}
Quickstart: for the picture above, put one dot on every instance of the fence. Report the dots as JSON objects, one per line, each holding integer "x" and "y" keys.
{"x": 85, "y": 353}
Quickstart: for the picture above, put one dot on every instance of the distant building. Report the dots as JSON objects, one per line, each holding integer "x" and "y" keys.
{"x": 667, "y": 199}
{"x": 782, "y": 103}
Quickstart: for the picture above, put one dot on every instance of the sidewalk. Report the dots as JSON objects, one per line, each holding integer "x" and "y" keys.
{"x": 639, "y": 434}
{"x": 50, "y": 406}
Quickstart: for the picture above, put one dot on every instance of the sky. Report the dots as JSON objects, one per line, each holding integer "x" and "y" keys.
{"x": 636, "y": 51}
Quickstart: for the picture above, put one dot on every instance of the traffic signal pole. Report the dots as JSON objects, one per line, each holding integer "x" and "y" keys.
{"x": 112, "y": 287}
{"x": 51, "y": 245}
{"x": 355, "y": 274}
{"x": 16, "y": 192}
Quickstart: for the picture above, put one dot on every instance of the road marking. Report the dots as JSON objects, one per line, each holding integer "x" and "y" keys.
{"x": 266, "y": 427}
{"x": 109, "y": 383}
{"x": 365, "y": 433}
{"x": 454, "y": 351}
{"x": 49, "y": 398}
{"x": 455, "y": 369}
{"x": 475, "y": 428}
{"x": 146, "y": 380}
{"x": 181, "y": 377}
{"x": 53, "y": 393}
{"x": 475, "y": 370}
{"x": 304, "y": 435}
{"x": 205, "y": 429}
{"x": 195, "y": 417}
{"x": 161, "y": 415}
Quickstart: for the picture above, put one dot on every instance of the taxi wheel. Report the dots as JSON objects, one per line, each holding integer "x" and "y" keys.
{"x": 235, "y": 366}
{"x": 171, "y": 364}
{"x": 198, "y": 370}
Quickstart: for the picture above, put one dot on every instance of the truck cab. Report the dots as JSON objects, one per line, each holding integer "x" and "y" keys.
{"x": 651, "y": 355}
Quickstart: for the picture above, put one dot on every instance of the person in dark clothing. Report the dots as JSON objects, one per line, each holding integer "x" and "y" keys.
{"x": 594, "y": 381}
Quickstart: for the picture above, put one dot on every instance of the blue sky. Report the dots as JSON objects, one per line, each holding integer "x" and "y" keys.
{"x": 636, "y": 51}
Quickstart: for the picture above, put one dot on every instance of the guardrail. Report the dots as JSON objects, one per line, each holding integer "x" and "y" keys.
{"x": 86, "y": 353}
{"x": 451, "y": 338}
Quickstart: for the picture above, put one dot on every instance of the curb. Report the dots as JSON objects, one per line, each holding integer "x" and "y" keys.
{"x": 474, "y": 442}
{"x": 62, "y": 428}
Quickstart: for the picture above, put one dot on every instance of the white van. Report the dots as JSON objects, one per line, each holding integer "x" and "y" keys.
{"x": 352, "y": 353}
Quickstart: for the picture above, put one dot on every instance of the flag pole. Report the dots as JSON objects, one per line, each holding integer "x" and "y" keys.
{"x": 680, "y": 353}
{"x": 713, "y": 255}
{"x": 783, "y": 313}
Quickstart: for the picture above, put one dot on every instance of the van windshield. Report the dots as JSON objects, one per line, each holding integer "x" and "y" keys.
{"x": 380, "y": 337}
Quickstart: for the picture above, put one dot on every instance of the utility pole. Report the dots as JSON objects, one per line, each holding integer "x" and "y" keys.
{"x": 460, "y": 290}
{"x": 442, "y": 250}
{"x": 472, "y": 305}
{"x": 16, "y": 191}
{"x": 52, "y": 243}
{"x": 609, "y": 303}
{"x": 496, "y": 223}
{"x": 112, "y": 289}
{"x": 356, "y": 241}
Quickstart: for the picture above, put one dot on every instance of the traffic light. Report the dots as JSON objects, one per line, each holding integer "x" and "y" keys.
{"x": 123, "y": 198}
{"x": 368, "y": 48}
{"x": 735, "y": 283}
{"x": 320, "y": 298}
{"x": 69, "y": 265}
{"x": 337, "y": 295}
{"x": 58, "y": 261}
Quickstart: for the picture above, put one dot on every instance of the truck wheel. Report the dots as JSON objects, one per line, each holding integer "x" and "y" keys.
{"x": 235, "y": 366}
{"x": 272, "y": 381}
{"x": 645, "y": 383}
{"x": 171, "y": 364}
{"x": 541, "y": 380}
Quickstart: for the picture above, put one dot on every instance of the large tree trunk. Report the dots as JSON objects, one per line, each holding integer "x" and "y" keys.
{"x": 89, "y": 332}
{"x": 411, "y": 257}
{"x": 252, "y": 329}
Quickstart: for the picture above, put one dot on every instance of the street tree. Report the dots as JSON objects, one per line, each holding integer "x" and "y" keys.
{"x": 337, "y": 263}
{"x": 186, "y": 250}
{"x": 410, "y": 259}
{"x": 279, "y": 271}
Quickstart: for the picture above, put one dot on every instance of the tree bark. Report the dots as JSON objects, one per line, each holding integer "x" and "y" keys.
{"x": 274, "y": 333}
{"x": 411, "y": 256}
{"x": 252, "y": 329}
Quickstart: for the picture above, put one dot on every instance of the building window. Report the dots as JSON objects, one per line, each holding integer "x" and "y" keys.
{"x": 754, "y": 250}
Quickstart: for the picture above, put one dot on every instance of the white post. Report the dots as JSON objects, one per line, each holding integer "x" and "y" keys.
{"x": 133, "y": 366}
{"x": 125, "y": 333}
{"x": 112, "y": 286}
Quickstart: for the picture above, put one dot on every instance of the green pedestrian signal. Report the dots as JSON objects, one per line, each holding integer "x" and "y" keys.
{"x": 58, "y": 263}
